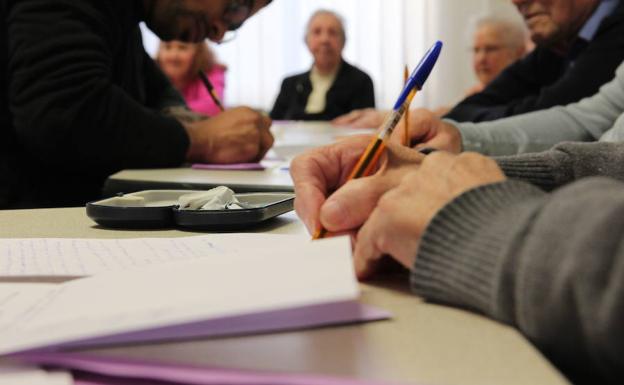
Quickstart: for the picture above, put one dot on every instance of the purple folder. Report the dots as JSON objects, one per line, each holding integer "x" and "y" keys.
{"x": 266, "y": 322}
{"x": 97, "y": 370}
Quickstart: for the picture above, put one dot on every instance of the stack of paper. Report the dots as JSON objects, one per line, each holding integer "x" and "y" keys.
{"x": 276, "y": 288}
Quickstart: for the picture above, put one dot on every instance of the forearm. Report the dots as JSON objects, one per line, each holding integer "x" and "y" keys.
{"x": 587, "y": 120}
{"x": 534, "y": 132}
{"x": 550, "y": 264}
{"x": 565, "y": 163}
{"x": 70, "y": 112}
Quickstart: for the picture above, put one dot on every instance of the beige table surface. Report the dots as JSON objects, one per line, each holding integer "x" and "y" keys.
{"x": 422, "y": 344}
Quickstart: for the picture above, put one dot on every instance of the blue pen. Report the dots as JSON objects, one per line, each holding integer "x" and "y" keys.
{"x": 370, "y": 157}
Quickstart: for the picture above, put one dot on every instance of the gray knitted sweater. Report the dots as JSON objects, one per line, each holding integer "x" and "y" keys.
{"x": 549, "y": 263}
{"x": 597, "y": 118}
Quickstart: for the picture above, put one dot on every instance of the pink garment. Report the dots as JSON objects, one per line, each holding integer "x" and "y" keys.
{"x": 197, "y": 97}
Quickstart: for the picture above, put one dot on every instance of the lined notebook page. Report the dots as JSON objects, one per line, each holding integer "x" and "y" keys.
{"x": 84, "y": 257}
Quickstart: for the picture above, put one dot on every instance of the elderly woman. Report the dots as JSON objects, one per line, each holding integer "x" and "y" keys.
{"x": 332, "y": 87}
{"x": 498, "y": 42}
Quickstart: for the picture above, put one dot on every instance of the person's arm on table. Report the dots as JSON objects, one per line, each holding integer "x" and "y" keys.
{"x": 68, "y": 112}
{"x": 519, "y": 89}
{"x": 362, "y": 118}
{"x": 551, "y": 265}
{"x": 585, "y": 121}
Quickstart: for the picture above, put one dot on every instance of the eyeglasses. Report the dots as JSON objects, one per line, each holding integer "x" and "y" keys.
{"x": 488, "y": 49}
{"x": 235, "y": 14}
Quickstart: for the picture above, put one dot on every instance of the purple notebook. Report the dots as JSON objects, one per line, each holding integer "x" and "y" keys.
{"x": 272, "y": 321}
{"x": 97, "y": 370}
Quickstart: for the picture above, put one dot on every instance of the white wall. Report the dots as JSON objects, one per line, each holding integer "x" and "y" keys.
{"x": 383, "y": 35}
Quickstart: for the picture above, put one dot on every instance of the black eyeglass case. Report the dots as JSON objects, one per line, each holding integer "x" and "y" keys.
{"x": 158, "y": 209}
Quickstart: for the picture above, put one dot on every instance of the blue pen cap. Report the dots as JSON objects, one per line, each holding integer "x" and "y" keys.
{"x": 421, "y": 73}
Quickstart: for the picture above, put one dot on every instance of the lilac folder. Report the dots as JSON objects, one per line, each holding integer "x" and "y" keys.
{"x": 96, "y": 370}
{"x": 266, "y": 322}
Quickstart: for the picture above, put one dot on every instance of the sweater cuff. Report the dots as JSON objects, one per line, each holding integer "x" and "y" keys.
{"x": 530, "y": 169}
{"x": 462, "y": 256}
{"x": 546, "y": 169}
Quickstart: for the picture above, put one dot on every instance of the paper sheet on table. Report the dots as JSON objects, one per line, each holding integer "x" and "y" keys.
{"x": 83, "y": 257}
{"x": 230, "y": 167}
{"x": 111, "y": 371}
{"x": 264, "y": 290}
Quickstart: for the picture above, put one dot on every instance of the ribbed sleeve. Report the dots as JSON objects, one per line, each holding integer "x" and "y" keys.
{"x": 550, "y": 264}
{"x": 459, "y": 261}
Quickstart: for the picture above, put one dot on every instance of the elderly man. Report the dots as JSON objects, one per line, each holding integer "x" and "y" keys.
{"x": 332, "y": 87}
{"x": 81, "y": 99}
{"x": 579, "y": 44}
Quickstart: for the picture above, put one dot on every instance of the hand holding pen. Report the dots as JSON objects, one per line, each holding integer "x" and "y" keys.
{"x": 368, "y": 161}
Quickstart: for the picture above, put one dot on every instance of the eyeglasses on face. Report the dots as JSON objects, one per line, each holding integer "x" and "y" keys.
{"x": 236, "y": 12}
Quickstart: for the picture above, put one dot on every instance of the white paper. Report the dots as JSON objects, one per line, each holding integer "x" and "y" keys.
{"x": 84, "y": 257}
{"x": 25, "y": 375}
{"x": 288, "y": 275}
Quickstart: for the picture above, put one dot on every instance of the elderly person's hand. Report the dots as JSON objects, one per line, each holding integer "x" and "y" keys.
{"x": 364, "y": 118}
{"x": 427, "y": 130}
{"x": 320, "y": 172}
{"x": 401, "y": 215}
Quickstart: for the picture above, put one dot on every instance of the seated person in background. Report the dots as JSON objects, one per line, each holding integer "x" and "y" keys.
{"x": 542, "y": 251}
{"x": 497, "y": 42}
{"x": 332, "y": 87}
{"x": 80, "y": 98}
{"x": 182, "y": 62}
{"x": 578, "y": 46}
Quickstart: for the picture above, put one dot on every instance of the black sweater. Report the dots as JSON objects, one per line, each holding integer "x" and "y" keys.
{"x": 80, "y": 100}
{"x": 544, "y": 79}
{"x": 352, "y": 89}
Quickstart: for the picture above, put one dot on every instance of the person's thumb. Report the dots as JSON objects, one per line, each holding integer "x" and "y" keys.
{"x": 350, "y": 206}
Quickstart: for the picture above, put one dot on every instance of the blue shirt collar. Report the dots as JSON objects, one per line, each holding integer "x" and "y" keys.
{"x": 604, "y": 9}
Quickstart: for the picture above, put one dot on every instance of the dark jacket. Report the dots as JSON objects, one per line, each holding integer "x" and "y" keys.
{"x": 80, "y": 100}
{"x": 544, "y": 79}
{"x": 351, "y": 90}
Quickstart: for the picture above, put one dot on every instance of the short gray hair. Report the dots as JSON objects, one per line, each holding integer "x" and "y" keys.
{"x": 514, "y": 33}
{"x": 340, "y": 19}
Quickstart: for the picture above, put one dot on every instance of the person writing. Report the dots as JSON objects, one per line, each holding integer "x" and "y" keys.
{"x": 95, "y": 106}
{"x": 332, "y": 87}
{"x": 578, "y": 46}
{"x": 182, "y": 63}
{"x": 533, "y": 241}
